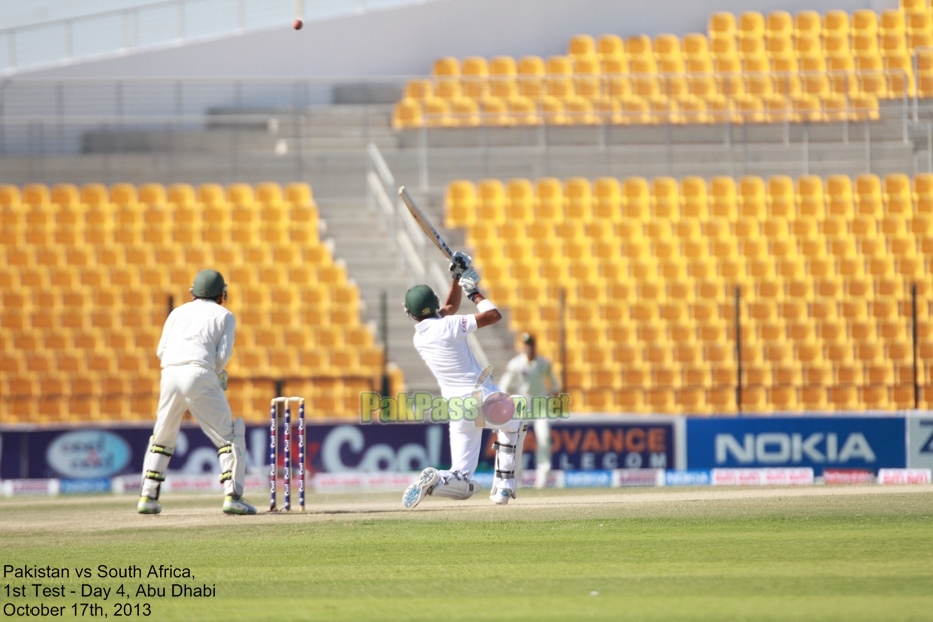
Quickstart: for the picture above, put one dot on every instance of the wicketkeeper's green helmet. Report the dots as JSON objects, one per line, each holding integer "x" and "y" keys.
{"x": 208, "y": 284}
{"x": 421, "y": 302}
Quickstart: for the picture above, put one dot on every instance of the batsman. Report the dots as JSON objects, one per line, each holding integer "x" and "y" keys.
{"x": 441, "y": 340}
{"x": 196, "y": 345}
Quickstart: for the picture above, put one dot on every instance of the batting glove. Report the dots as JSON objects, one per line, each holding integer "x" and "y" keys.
{"x": 469, "y": 282}
{"x": 460, "y": 262}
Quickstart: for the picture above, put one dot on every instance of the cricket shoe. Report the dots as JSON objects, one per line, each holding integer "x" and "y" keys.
{"x": 500, "y": 496}
{"x": 237, "y": 506}
{"x": 148, "y": 506}
{"x": 418, "y": 490}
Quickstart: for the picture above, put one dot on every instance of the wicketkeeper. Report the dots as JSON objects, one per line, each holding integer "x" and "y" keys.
{"x": 530, "y": 376}
{"x": 196, "y": 345}
{"x": 441, "y": 340}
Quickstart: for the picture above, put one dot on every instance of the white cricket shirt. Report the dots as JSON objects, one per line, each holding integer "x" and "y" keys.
{"x": 199, "y": 332}
{"x": 442, "y": 344}
{"x": 528, "y": 378}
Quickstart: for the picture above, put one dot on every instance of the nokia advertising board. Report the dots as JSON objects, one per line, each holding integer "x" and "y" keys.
{"x": 819, "y": 442}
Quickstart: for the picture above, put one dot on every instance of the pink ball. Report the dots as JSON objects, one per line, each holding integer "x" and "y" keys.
{"x": 298, "y": 24}
{"x": 498, "y": 409}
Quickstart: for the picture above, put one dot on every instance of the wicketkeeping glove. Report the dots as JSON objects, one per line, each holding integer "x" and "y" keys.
{"x": 460, "y": 262}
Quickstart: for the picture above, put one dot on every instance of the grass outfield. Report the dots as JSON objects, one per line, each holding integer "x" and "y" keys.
{"x": 699, "y": 554}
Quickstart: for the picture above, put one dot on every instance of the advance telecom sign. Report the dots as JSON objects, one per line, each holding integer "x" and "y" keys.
{"x": 818, "y": 442}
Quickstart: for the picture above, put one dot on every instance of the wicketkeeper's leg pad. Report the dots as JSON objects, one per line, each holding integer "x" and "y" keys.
{"x": 454, "y": 486}
{"x": 154, "y": 466}
{"x": 233, "y": 461}
{"x": 506, "y": 449}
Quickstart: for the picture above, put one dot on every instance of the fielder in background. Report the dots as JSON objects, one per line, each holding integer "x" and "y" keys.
{"x": 196, "y": 345}
{"x": 441, "y": 340}
{"x": 526, "y": 375}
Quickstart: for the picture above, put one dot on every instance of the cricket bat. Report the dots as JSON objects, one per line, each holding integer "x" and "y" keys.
{"x": 424, "y": 223}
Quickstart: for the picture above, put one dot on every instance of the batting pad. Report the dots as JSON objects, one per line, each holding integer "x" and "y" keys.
{"x": 154, "y": 467}
{"x": 452, "y": 486}
{"x": 506, "y": 448}
{"x": 233, "y": 461}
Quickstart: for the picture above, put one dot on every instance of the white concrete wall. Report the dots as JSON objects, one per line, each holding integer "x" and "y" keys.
{"x": 406, "y": 40}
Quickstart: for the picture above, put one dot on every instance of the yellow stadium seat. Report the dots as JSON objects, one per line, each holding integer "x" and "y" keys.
{"x": 521, "y": 111}
{"x": 637, "y": 198}
{"x": 875, "y": 397}
{"x": 407, "y": 113}
{"x": 639, "y": 46}
{"x": 665, "y": 199}
{"x": 874, "y": 83}
{"x": 897, "y": 194}
{"x": 722, "y": 197}
{"x": 919, "y": 26}
{"x": 552, "y": 111}
{"x": 807, "y": 107}
{"x": 779, "y": 45}
{"x": 810, "y": 201}
{"x": 579, "y": 111}
{"x": 721, "y": 400}
{"x": 436, "y": 112}
{"x": 836, "y": 23}
{"x": 635, "y": 110}
{"x": 840, "y": 201}
{"x": 667, "y": 49}
{"x": 695, "y": 199}
{"x": 447, "y": 66}
{"x": 893, "y": 21}
{"x": 779, "y": 23}
{"x": 749, "y": 109}
{"x": 868, "y": 195}
{"x": 919, "y": 38}
{"x": 475, "y": 77}
{"x": 898, "y": 69}
{"x": 578, "y": 199}
{"x": 722, "y": 23}
{"x": 610, "y": 46}
{"x": 752, "y": 23}
{"x": 461, "y": 204}
{"x": 691, "y": 109}
{"x": 607, "y": 199}
{"x": 808, "y": 23}
{"x": 581, "y": 46}
{"x": 531, "y": 76}
{"x": 419, "y": 89}
{"x": 696, "y": 53}
{"x": 759, "y": 85}
{"x": 550, "y": 199}
{"x": 464, "y": 112}
{"x": 37, "y": 195}
{"x": 559, "y": 65}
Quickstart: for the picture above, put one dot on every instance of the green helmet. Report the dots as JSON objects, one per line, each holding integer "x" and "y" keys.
{"x": 208, "y": 284}
{"x": 421, "y": 302}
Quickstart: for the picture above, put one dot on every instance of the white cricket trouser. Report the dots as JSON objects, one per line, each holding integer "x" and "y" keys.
{"x": 195, "y": 389}
{"x": 465, "y": 445}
